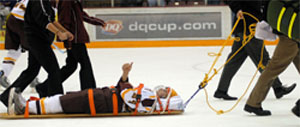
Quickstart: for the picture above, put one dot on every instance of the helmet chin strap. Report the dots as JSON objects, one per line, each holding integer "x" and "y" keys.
{"x": 168, "y": 99}
{"x": 157, "y": 100}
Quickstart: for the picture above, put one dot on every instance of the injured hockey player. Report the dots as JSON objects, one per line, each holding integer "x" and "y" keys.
{"x": 121, "y": 98}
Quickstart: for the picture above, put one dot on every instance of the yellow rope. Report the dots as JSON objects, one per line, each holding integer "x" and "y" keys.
{"x": 246, "y": 39}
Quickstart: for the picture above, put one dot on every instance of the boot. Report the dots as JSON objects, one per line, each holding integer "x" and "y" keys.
{"x": 223, "y": 95}
{"x": 279, "y": 92}
{"x": 296, "y": 109}
{"x": 257, "y": 111}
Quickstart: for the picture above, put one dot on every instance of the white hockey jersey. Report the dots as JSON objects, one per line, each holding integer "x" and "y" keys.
{"x": 129, "y": 98}
{"x": 19, "y": 9}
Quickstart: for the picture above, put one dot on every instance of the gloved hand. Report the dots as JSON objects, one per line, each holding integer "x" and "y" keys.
{"x": 264, "y": 31}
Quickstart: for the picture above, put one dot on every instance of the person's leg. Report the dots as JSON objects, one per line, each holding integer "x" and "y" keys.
{"x": 9, "y": 61}
{"x": 296, "y": 61}
{"x": 46, "y": 57}
{"x": 231, "y": 68}
{"x": 70, "y": 67}
{"x": 284, "y": 54}
{"x": 50, "y": 104}
{"x": 254, "y": 49}
{"x": 87, "y": 79}
{"x": 12, "y": 44}
{"x": 7, "y": 66}
{"x": 25, "y": 78}
{"x": 66, "y": 72}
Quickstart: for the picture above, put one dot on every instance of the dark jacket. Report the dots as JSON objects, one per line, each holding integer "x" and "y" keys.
{"x": 78, "y": 102}
{"x": 39, "y": 13}
{"x": 274, "y": 15}
{"x": 253, "y": 7}
{"x": 71, "y": 16}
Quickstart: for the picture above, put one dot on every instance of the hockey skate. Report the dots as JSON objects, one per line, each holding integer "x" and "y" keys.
{"x": 10, "y": 108}
{"x": 19, "y": 103}
{"x": 4, "y": 82}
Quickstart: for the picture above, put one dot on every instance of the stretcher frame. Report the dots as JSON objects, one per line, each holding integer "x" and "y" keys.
{"x": 49, "y": 116}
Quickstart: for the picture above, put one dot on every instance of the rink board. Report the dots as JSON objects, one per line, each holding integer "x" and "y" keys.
{"x": 6, "y": 116}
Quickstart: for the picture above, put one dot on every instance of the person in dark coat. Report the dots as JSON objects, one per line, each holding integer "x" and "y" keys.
{"x": 72, "y": 17}
{"x": 251, "y": 49}
{"x": 39, "y": 31}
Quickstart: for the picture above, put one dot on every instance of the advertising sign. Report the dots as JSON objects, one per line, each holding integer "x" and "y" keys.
{"x": 179, "y": 23}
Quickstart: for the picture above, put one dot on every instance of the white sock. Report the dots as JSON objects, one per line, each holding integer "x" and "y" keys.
{"x": 9, "y": 61}
{"x": 52, "y": 105}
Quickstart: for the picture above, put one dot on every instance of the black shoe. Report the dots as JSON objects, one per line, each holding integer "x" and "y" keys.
{"x": 41, "y": 89}
{"x": 279, "y": 92}
{"x": 257, "y": 111}
{"x": 223, "y": 95}
{"x": 296, "y": 109}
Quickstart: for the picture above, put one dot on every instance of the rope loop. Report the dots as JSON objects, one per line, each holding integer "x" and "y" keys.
{"x": 246, "y": 39}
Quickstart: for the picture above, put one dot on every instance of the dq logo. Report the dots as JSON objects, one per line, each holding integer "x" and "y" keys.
{"x": 112, "y": 27}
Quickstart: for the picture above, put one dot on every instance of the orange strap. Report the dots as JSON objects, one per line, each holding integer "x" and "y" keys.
{"x": 168, "y": 103}
{"x": 91, "y": 102}
{"x": 138, "y": 98}
{"x": 114, "y": 100}
{"x": 43, "y": 106}
{"x": 26, "y": 114}
{"x": 160, "y": 104}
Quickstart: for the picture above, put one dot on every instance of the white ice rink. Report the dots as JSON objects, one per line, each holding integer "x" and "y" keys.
{"x": 181, "y": 68}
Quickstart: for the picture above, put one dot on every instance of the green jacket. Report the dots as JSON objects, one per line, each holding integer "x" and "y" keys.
{"x": 283, "y": 16}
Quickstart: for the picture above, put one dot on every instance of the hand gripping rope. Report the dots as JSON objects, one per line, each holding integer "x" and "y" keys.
{"x": 55, "y": 46}
{"x": 246, "y": 39}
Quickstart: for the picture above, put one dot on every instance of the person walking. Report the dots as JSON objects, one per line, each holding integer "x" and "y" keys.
{"x": 39, "y": 30}
{"x": 251, "y": 49}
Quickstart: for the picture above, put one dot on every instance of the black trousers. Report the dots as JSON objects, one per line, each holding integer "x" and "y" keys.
{"x": 39, "y": 55}
{"x": 77, "y": 55}
{"x": 251, "y": 49}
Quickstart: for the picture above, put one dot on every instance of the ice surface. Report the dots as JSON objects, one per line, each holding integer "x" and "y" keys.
{"x": 182, "y": 68}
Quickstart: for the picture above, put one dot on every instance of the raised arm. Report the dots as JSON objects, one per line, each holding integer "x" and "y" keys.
{"x": 124, "y": 82}
{"x": 126, "y": 69}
